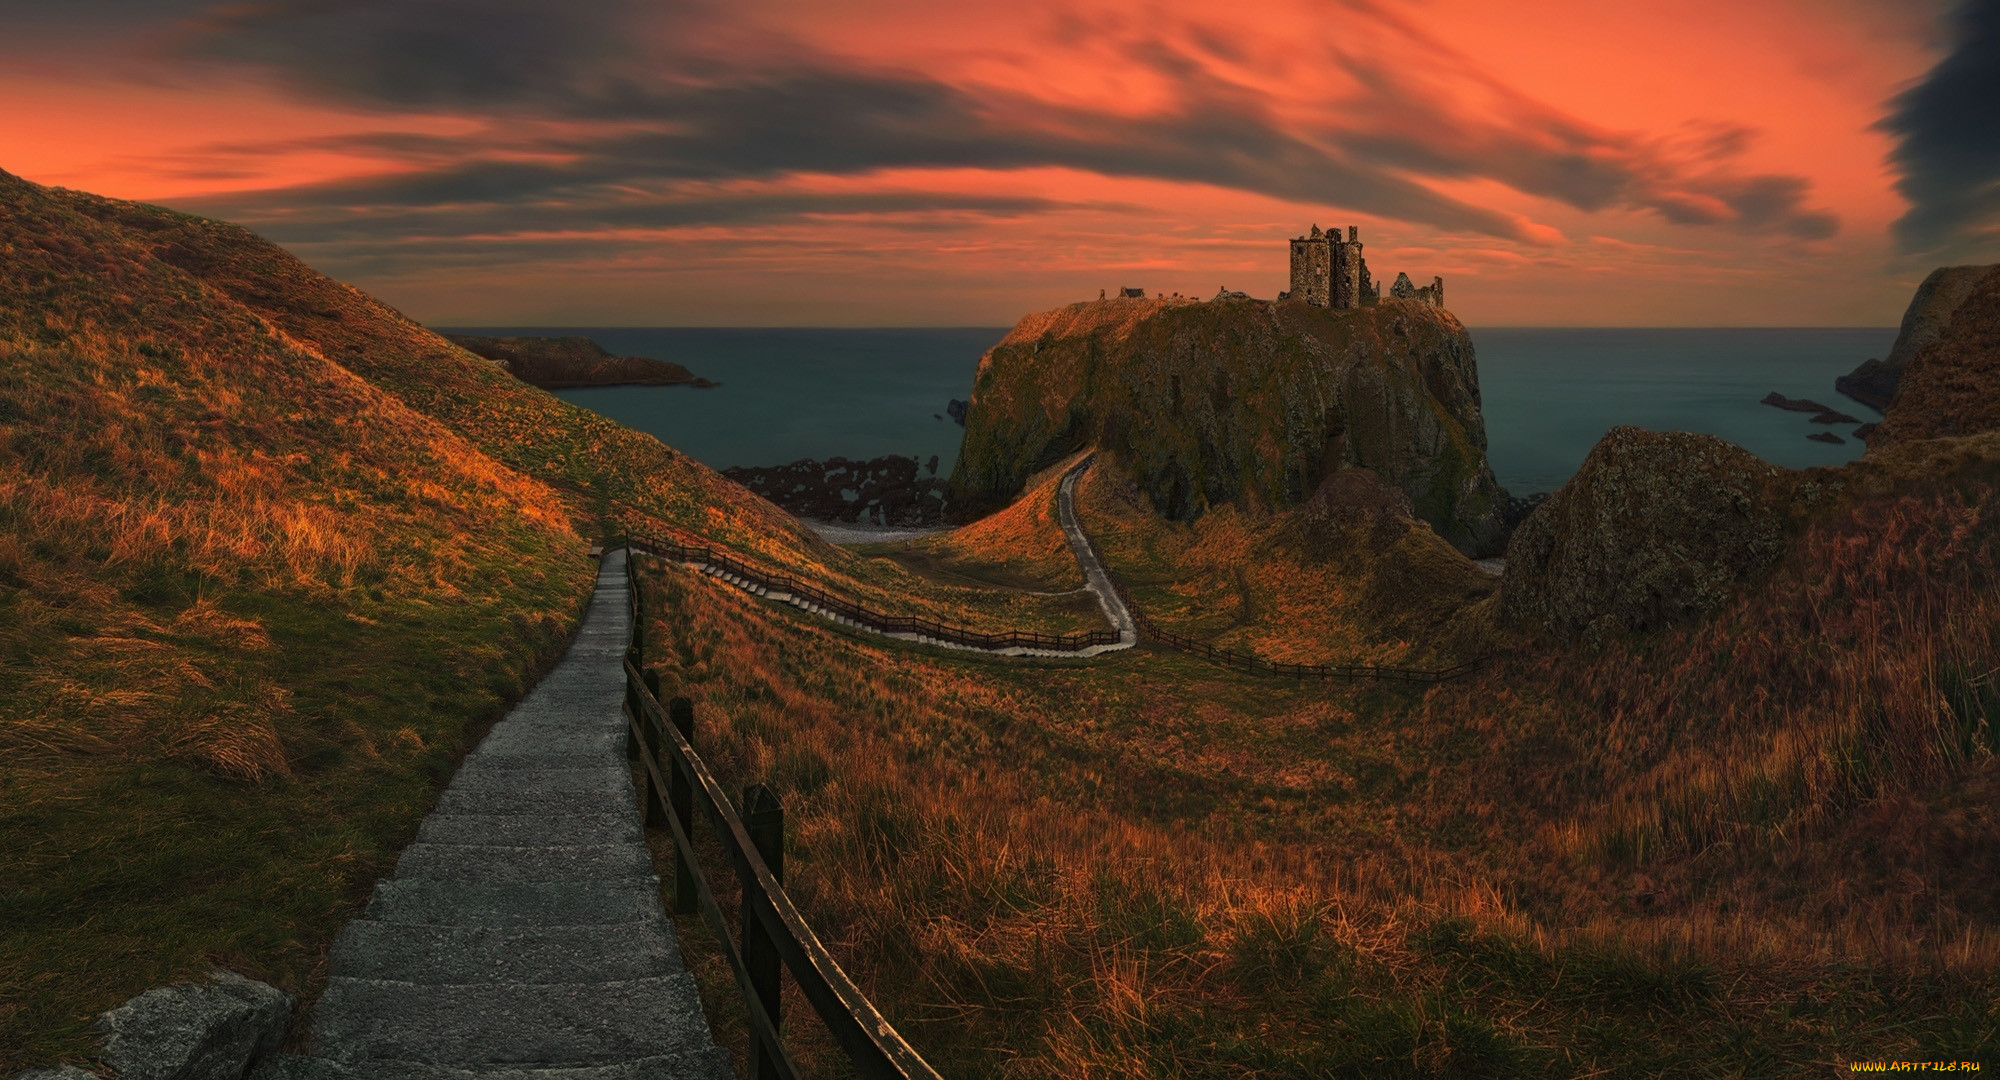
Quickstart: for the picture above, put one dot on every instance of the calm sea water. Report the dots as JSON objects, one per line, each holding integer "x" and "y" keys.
{"x": 1549, "y": 394}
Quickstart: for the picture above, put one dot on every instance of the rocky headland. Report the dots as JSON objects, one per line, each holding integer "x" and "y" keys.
{"x": 1949, "y": 350}
{"x": 1930, "y": 313}
{"x": 556, "y": 363}
{"x": 1659, "y": 528}
{"x": 884, "y": 491}
{"x": 1248, "y": 402}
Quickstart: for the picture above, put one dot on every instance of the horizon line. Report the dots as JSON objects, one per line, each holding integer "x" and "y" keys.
{"x": 979, "y": 326}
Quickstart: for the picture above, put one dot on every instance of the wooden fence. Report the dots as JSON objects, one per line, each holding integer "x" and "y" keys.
{"x": 875, "y": 620}
{"x": 774, "y": 935}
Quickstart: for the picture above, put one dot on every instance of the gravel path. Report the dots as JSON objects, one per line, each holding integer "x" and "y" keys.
{"x": 522, "y": 935}
{"x": 1094, "y": 577}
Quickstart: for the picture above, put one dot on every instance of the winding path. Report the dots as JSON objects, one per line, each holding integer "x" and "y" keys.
{"x": 522, "y": 936}
{"x": 1096, "y": 582}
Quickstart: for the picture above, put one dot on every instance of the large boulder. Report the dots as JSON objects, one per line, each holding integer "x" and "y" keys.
{"x": 1950, "y": 384}
{"x": 195, "y": 1031}
{"x": 1656, "y": 528}
{"x": 1251, "y": 403}
{"x": 1874, "y": 382}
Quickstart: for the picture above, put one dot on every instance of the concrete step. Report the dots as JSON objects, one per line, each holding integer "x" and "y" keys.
{"x": 503, "y": 863}
{"x": 611, "y": 753}
{"x": 528, "y": 801}
{"x": 622, "y": 827}
{"x": 367, "y": 949}
{"x": 541, "y": 1024}
{"x": 523, "y": 903}
{"x": 711, "y": 1064}
{"x": 604, "y": 776}
{"x": 576, "y": 740}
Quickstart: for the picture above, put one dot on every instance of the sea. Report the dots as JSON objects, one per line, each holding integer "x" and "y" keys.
{"x": 1548, "y": 395}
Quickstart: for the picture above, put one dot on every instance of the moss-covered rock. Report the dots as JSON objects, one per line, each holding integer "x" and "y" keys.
{"x": 1240, "y": 402}
{"x": 1656, "y": 528}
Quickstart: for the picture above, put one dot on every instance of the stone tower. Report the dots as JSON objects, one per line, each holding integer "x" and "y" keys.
{"x": 1328, "y": 271}
{"x": 1311, "y": 268}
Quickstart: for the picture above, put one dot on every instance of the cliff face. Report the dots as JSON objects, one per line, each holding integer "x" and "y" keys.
{"x": 1950, "y": 383}
{"x": 1240, "y": 401}
{"x": 1924, "y": 322}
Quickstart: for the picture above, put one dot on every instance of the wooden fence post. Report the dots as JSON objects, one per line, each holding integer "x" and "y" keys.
{"x": 649, "y": 720}
{"x": 680, "y": 793}
{"x": 764, "y": 819}
{"x": 638, "y": 619}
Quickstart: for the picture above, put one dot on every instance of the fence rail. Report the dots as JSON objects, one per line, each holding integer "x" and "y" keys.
{"x": 875, "y": 620}
{"x": 775, "y": 935}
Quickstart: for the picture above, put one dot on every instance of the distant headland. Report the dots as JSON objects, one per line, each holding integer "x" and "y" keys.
{"x": 557, "y": 363}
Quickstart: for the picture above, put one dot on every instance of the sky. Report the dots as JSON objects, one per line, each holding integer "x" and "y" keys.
{"x": 902, "y": 163}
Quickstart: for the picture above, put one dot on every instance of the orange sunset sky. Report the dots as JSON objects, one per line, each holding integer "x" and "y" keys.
{"x": 782, "y": 162}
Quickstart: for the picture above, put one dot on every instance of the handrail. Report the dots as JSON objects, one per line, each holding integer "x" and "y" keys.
{"x": 875, "y": 620}
{"x": 774, "y": 931}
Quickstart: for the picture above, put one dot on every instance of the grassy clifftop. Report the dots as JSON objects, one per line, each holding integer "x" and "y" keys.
{"x": 253, "y": 606}
{"x": 1240, "y": 402}
{"x": 270, "y": 553}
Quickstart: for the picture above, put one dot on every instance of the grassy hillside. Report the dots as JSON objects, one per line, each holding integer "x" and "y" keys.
{"x": 1157, "y": 868}
{"x": 622, "y": 478}
{"x": 270, "y": 555}
{"x": 1311, "y": 585}
{"x": 252, "y": 609}
{"x": 1762, "y": 845}
{"x": 1021, "y": 546}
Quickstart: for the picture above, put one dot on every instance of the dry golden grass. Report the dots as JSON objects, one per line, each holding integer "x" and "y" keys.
{"x": 252, "y": 608}
{"x": 1145, "y": 867}
{"x": 1021, "y": 546}
{"x": 270, "y": 554}
{"x": 1296, "y": 586}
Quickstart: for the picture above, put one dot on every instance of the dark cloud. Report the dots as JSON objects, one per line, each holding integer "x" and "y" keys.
{"x": 376, "y": 211}
{"x": 1948, "y": 144}
{"x": 604, "y": 111}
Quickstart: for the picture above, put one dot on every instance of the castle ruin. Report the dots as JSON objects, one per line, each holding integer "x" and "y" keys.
{"x": 1327, "y": 272}
{"x": 1330, "y": 272}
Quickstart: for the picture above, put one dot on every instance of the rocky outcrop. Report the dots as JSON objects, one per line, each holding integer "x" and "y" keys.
{"x": 885, "y": 491}
{"x": 1656, "y": 528}
{"x": 1248, "y": 402}
{"x": 1874, "y": 382}
{"x": 554, "y": 363}
{"x": 195, "y": 1031}
{"x": 1950, "y": 383}
{"x": 1827, "y": 414}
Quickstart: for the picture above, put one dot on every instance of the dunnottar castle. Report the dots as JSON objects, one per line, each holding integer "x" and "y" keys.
{"x": 1329, "y": 272}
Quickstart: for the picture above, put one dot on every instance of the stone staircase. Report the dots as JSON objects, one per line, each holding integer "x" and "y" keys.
{"x": 522, "y": 935}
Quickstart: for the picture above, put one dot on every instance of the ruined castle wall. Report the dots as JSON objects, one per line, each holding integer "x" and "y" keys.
{"x": 1311, "y": 271}
{"x": 1346, "y": 272}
